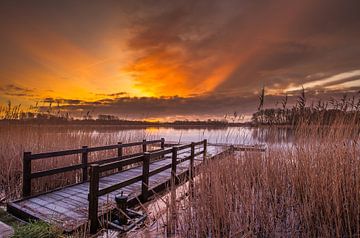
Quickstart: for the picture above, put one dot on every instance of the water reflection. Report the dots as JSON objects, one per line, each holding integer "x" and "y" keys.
{"x": 232, "y": 135}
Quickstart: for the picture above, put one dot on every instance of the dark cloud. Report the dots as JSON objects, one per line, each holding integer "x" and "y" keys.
{"x": 210, "y": 106}
{"x": 16, "y": 91}
{"x": 215, "y": 54}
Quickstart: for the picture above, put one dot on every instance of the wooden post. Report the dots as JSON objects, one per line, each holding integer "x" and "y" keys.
{"x": 173, "y": 165}
{"x": 26, "y": 174}
{"x": 191, "y": 170}
{"x": 145, "y": 177}
{"x": 84, "y": 161}
{"x": 120, "y": 153}
{"x": 93, "y": 198}
{"x": 173, "y": 181}
{"x": 205, "y": 149}
{"x": 162, "y": 146}
{"x": 144, "y": 145}
{"x": 120, "y": 149}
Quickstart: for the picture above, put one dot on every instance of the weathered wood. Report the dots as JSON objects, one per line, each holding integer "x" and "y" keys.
{"x": 162, "y": 143}
{"x": 119, "y": 185}
{"x": 182, "y": 147}
{"x": 120, "y": 154}
{"x": 72, "y": 204}
{"x": 145, "y": 176}
{"x": 57, "y": 171}
{"x": 114, "y": 165}
{"x": 115, "y": 159}
{"x": 160, "y": 169}
{"x": 160, "y": 153}
{"x": 205, "y": 148}
{"x": 93, "y": 198}
{"x": 173, "y": 165}
{"x": 199, "y": 153}
{"x": 26, "y": 174}
{"x": 144, "y": 148}
{"x": 84, "y": 162}
{"x": 191, "y": 169}
{"x": 89, "y": 149}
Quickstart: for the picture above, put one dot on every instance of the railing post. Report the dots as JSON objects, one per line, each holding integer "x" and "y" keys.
{"x": 120, "y": 153}
{"x": 173, "y": 165}
{"x": 144, "y": 146}
{"x": 84, "y": 161}
{"x": 26, "y": 174}
{"x": 172, "y": 222}
{"x": 205, "y": 149}
{"x": 162, "y": 146}
{"x": 191, "y": 170}
{"x": 145, "y": 177}
{"x": 93, "y": 198}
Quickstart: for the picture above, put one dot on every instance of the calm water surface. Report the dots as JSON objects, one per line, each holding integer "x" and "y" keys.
{"x": 232, "y": 135}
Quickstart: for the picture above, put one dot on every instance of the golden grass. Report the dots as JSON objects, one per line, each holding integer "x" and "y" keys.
{"x": 308, "y": 189}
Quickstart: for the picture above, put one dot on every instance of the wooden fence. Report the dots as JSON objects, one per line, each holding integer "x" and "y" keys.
{"x": 28, "y": 157}
{"x": 97, "y": 169}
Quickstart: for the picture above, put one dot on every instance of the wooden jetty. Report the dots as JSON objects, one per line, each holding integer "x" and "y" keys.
{"x": 140, "y": 175}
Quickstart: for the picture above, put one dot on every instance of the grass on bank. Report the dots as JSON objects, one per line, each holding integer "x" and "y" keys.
{"x": 37, "y": 229}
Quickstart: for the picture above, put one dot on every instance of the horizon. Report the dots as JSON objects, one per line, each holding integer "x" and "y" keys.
{"x": 174, "y": 60}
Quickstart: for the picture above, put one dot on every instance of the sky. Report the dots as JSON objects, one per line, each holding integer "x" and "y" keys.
{"x": 167, "y": 60}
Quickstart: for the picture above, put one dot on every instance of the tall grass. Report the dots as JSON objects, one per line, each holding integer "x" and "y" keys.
{"x": 15, "y": 139}
{"x": 310, "y": 188}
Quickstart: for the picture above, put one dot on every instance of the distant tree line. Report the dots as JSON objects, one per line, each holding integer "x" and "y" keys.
{"x": 54, "y": 115}
{"x": 323, "y": 112}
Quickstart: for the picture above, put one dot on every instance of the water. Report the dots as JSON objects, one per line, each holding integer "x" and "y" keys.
{"x": 230, "y": 135}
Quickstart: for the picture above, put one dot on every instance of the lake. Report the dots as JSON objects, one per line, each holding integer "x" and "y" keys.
{"x": 231, "y": 135}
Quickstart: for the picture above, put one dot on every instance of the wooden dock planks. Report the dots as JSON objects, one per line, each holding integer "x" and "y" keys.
{"x": 68, "y": 207}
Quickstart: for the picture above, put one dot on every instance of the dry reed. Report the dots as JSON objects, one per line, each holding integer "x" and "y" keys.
{"x": 16, "y": 139}
{"x": 310, "y": 188}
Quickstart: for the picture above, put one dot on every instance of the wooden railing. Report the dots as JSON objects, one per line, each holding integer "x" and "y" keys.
{"x": 97, "y": 169}
{"x": 28, "y": 157}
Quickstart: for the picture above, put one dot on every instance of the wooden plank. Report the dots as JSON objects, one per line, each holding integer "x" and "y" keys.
{"x": 57, "y": 171}
{"x": 68, "y": 200}
{"x": 115, "y": 165}
{"x": 51, "y": 210}
{"x": 119, "y": 185}
{"x": 78, "y": 199}
{"x": 90, "y": 149}
{"x": 51, "y": 201}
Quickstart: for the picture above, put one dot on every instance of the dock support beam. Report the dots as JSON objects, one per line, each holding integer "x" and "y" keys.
{"x": 93, "y": 198}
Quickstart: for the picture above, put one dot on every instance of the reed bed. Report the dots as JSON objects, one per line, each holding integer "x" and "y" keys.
{"x": 16, "y": 139}
{"x": 309, "y": 188}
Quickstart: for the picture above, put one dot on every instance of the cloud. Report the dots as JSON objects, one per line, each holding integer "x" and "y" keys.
{"x": 333, "y": 81}
{"x": 16, "y": 91}
{"x": 207, "y": 52}
{"x": 202, "y": 107}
